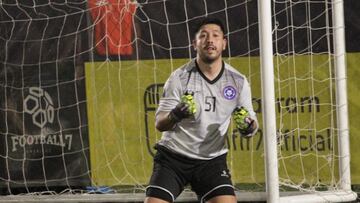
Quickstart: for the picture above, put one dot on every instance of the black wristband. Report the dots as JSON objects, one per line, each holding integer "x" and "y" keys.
{"x": 173, "y": 118}
{"x": 248, "y": 130}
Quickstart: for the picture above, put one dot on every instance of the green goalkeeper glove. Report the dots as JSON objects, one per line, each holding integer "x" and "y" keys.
{"x": 243, "y": 122}
{"x": 188, "y": 99}
{"x": 184, "y": 109}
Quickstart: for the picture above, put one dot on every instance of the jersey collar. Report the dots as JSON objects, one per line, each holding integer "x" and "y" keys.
{"x": 207, "y": 79}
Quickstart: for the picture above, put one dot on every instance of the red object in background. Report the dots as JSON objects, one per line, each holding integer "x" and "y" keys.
{"x": 113, "y": 20}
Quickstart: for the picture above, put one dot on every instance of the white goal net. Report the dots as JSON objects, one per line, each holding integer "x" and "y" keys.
{"x": 80, "y": 82}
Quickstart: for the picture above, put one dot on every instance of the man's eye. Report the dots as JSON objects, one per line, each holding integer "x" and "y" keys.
{"x": 216, "y": 35}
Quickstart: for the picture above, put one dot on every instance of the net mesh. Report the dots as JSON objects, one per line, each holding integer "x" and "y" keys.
{"x": 305, "y": 94}
{"x": 81, "y": 80}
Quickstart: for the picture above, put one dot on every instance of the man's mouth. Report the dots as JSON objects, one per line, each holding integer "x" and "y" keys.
{"x": 210, "y": 48}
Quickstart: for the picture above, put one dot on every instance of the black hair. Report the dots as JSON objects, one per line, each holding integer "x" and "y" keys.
{"x": 209, "y": 20}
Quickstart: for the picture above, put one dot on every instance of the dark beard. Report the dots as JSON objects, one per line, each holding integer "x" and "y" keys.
{"x": 207, "y": 60}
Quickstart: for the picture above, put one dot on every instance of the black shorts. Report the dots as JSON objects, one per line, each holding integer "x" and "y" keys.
{"x": 172, "y": 172}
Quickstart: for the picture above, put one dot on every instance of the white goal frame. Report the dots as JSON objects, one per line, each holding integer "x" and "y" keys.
{"x": 345, "y": 193}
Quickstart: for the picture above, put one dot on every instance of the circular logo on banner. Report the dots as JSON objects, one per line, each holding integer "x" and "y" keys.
{"x": 229, "y": 92}
{"x": 40, "y": 105}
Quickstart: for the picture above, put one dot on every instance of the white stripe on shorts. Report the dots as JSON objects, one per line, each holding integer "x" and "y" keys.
{"x": 217, "y": 187}
{"x": 161, "y": 188}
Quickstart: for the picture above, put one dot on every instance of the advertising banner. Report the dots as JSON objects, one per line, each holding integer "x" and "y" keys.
{"x": 123, "y": 97}
{"x": 43, "y": 132}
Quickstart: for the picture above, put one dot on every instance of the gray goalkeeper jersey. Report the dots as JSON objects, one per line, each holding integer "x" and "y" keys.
{"x": 203, "y": 136}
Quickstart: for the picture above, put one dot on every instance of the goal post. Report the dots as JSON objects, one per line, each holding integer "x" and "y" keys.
{"x": 341, "y": 96}
{"x": 268, "y": 101}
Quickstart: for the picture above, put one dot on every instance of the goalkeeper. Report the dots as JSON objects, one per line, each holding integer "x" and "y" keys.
{"x": 199, "y": 101}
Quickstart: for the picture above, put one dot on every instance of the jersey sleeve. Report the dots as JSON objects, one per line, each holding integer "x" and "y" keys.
{"x": 171, "y": 94}
{"x": 245, "y": 100}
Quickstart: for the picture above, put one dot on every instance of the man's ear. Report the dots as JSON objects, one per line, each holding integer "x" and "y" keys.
{"x": 225, "y": 43}
{"x": 193, "y": 44}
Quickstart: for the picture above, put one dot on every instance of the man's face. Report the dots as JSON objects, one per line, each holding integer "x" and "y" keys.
{"x": 209, "y": 43}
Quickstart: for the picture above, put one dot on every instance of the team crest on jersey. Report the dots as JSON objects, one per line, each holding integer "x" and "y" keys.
{"x": 229, "y": 92}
